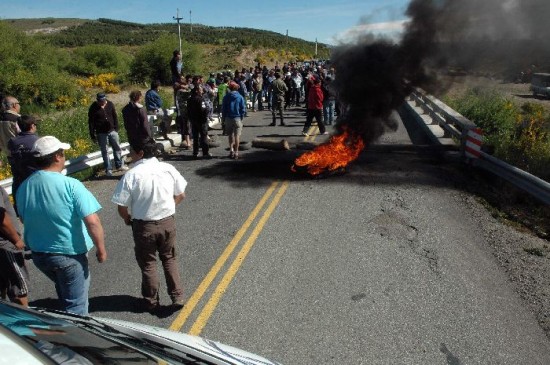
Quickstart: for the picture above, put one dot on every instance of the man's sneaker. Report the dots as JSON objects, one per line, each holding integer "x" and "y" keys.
{"x": 178, "y": 303}
{"x": 305, "y": 134}
{"x": 124, "y": 168}
{"x": 272, "y": 124}
{"x": 324, "y": 133}
{"x": 108, "y": 173}
{"x": 207, "y": 155}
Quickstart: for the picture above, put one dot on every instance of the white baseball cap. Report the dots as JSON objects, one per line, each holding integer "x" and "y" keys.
{"x": 47, "y": 145}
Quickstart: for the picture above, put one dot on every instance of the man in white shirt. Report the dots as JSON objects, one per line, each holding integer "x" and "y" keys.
{"x": 147, "y": 196}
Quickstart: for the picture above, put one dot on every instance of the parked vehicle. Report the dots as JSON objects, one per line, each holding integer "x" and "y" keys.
{"x": 540, "y": 84}
{"x": 40, "y": 336}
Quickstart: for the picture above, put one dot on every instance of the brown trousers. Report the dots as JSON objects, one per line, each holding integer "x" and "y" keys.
{"x": 151, "y": 237}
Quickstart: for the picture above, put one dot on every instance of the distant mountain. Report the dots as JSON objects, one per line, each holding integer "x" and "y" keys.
{"x": 80, "y": 32}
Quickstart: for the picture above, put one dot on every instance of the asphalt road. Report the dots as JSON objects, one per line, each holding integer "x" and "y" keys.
{"x": 386, "y": 263}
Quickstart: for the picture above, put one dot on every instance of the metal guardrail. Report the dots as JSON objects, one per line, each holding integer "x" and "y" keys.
{"x": 77, "y": 164}
{"x": 446, "y": 126}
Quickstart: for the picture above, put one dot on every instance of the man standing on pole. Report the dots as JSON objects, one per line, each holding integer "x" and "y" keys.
{"x": 176, "y": 66}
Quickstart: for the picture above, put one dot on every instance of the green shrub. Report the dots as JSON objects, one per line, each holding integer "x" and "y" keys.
{"x": 491, "y": 112}
{"x": 33, "y": 71}
{"x": 152, "y": 61}
{"x": 100, "y": 59}
{"x": 517, "y": 134}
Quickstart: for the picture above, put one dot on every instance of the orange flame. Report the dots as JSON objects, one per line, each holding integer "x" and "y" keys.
{"x": 337, "y": 153}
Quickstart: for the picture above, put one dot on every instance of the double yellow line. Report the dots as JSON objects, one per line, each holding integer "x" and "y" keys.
{"x": 210, "y": 306}
{"x": 311, "y": 134}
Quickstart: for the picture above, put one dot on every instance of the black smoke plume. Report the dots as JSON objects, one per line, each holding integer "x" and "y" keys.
{"x": 373, "y": 77}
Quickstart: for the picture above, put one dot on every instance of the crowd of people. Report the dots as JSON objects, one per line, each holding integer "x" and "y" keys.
{"x": 60, "y": 215}
{"x": 277, "y": 88}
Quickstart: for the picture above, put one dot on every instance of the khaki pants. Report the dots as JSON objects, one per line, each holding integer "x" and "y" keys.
{"x": 151, "y": 237}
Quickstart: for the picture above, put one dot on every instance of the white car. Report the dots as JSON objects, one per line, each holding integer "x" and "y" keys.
{"x": 40, "y": 336}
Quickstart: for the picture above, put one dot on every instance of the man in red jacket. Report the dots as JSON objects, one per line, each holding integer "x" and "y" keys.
{"x": 314, "y": 106}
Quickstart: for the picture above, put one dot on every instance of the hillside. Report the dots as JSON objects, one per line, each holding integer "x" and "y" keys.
{"x": 44, "y": 25}
{"x": 224, "y": 46}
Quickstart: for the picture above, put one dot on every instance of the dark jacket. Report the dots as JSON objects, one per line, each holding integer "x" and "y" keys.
{"x": 21, "y": 159}
{"x": 196, "y": 109}
{"x": 102, "y": 120}
{"x": 136, "y": 123}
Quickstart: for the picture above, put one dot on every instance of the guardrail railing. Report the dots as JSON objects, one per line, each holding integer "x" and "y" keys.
{"x": 77, "y": 164}
{"x": 446, "y": 126}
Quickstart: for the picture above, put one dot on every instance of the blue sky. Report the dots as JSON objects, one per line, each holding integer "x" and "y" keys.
{"x": 328, "y": 21}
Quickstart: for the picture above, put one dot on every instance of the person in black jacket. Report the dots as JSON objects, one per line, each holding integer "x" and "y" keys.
{"x": 135, "y": 119}
{"x": 198, "y": 116}
{"x": 21, "y": 158}
{"x": 176, "y": 66}
{"x": 103, "y": 125}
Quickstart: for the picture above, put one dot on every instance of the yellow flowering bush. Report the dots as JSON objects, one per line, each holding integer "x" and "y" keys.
{"x": 63, "y": 102}
{"x": 5, "y": 169}
{"x": 80, "y": 147}
{"x": 105, "y": 81}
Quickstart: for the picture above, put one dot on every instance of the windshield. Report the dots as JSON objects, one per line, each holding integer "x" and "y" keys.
{"x": 84, "y": 341}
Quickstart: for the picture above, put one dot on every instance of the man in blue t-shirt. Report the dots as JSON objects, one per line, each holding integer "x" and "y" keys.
{"x": 61, "y": 224}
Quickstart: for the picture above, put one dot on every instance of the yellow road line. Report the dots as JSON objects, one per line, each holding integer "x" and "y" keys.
{"x": 209, "y": 308}
{"x": 312, "y": 132}
{"x": 177, "y": 324}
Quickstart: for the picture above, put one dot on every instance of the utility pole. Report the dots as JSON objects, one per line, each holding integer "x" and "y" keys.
{"x": 315, "y": 48}
{"x": 177, "y": 18}
{"x": 190, "y": 22}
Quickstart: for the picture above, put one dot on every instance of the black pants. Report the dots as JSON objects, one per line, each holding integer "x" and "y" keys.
{"x": 318, "y": 114}
{"x": 199, "y": 130}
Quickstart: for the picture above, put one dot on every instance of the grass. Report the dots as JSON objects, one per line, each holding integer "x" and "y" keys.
{"x": 517, "y": 134}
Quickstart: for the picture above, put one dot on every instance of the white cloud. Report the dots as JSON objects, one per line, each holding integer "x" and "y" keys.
{"x": 391, "y": 29}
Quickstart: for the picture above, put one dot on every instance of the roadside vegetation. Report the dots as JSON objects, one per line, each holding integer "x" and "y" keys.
{"x": 516, "y": 133}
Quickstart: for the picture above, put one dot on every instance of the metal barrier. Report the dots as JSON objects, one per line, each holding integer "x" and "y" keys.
{"x": 77, "y": 164}
{"x": 446, "y": 126}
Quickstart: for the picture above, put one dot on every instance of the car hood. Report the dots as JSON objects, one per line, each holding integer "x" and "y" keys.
{"x": 227, "y": 353}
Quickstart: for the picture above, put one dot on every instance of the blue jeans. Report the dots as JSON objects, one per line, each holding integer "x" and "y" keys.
{"x": 114, "y": 141}
{"x": 71, "y": 277}
{"x": 328, "y": 110}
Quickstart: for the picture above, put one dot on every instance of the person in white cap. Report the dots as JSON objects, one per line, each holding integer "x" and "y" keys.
{"x": 61, "y": 224}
